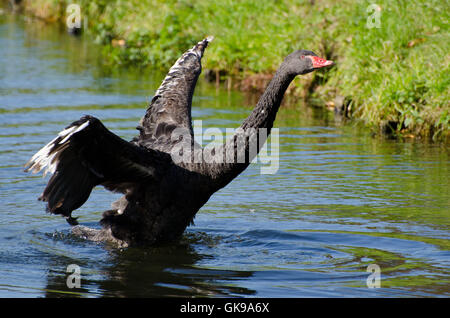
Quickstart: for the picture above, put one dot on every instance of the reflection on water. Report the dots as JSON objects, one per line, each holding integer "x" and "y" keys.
{"x": 340, "y": 201}
{"x": 162, "y": 271}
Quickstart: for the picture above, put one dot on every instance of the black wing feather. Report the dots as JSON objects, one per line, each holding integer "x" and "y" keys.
{"x": 170, "y": 108}
{"x": 87, "y": 154}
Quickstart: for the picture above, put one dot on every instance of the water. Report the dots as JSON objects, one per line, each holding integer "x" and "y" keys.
{"x": 340, "y": 201}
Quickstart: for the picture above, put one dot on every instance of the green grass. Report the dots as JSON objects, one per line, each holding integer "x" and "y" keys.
{"x": 397, "y": 74}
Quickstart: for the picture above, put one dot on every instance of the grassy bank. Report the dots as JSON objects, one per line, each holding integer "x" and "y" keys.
{"x": 394, "y": 77}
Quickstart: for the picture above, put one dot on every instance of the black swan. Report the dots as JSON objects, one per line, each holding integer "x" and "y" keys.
{"x": 162, "y": 194}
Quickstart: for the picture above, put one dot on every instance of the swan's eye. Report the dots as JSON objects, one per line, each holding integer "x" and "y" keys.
{"x": 302, "y": 57}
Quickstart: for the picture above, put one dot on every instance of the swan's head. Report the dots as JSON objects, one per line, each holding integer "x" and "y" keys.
{"x": 303, "y": 62}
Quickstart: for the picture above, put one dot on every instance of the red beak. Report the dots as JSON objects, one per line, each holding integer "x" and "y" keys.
{"x": 319, "y": 62}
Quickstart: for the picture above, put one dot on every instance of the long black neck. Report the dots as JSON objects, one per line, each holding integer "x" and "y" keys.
{"x": 265, "y": 111}
{"x": 248, "y": 137}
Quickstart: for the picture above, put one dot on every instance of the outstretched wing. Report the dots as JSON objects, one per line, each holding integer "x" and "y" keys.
{"x": 86, "y": 154}
{"x": 170, "y": 108}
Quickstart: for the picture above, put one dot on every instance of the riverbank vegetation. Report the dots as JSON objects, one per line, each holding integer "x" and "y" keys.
{"x": 392, "y": 58}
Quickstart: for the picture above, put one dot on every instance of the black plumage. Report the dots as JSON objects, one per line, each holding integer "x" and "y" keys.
{"x": 161, "y": 194}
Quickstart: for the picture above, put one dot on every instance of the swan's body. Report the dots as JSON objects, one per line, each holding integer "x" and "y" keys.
{"x": 161, "y": 195}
